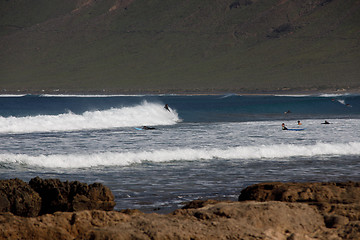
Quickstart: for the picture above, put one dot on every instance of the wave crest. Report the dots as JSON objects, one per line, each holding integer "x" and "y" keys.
{"x": 149, "y": 114}
{"x": 127, "y": 158}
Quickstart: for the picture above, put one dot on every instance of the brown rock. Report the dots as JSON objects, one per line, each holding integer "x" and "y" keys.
{"x": 71, "y": 196}
{"x": 236, "y": 220}
{"x": 346, "y": 193}
{"x": 199, "y": 203}
{"x": 326, "y": 216}
{"x": 19, "y": 198}
{"x": 338, "y": 203}
{"x": 333, "y": 221}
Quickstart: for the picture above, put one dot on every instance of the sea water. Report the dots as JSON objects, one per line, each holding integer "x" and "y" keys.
{"x": 209, "y": 146}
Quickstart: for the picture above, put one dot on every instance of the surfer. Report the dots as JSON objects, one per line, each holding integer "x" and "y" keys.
{"x": 326, "y": 122}
{"x": 167, "y": 107}
{"x": 147, "y": 128}
{"x": 283, "y": 126}
{"x": 299, "y": 123}
{"x": 288, "y": 111}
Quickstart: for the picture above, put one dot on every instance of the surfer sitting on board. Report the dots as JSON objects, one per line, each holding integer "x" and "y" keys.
{"x": 167, "y": 107}
{"x": 283, "y": 126}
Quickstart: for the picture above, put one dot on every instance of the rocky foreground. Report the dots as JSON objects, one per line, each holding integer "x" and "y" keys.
{"x": 50, "y": 209}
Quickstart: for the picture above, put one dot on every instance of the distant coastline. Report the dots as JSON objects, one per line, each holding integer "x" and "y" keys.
{"x": 191, "y": 48}
{"x": 195, "y": 92}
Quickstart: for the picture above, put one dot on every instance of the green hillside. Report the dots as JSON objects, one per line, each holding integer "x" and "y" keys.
{"x": 179, "y": 46}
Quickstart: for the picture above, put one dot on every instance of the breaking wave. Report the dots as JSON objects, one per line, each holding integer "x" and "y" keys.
{"x": 149, "y": 114}
{"x": 107, "y": 159}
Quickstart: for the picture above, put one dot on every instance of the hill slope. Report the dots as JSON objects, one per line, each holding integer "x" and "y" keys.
{"x": 180, "y": 46}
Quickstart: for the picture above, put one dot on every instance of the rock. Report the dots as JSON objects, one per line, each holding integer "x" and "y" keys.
{"x": 236, "y": 220}
{"x": 334, "y": 221}
{"x": 51, "y": 195}
{"x": 345, "y": 193}
{"x": 292, "y": 211}
{"x": 19, "y": 198}
{"x": 199, "y": 203}
{"x": 71, "y": 196}
{"x": 338, "y": 203}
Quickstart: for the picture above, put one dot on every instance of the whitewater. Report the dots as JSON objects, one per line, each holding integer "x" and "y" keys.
{"x": 280, "y": 152}
{"x": 204, "y": 147}
{"x": 143, "y": 114}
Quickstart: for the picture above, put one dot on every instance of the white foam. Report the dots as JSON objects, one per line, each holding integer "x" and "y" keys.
{"x": 341, "y": 101}
{"x": 280, "y": 152}
{"x": 12, "y": 95}
{"x": 292, "y": 95}
{"x": 229, "y": 95}
{"x": 89, "y": 95}
{"x": 334, "y": 94}
{"x": 149, "y": 114}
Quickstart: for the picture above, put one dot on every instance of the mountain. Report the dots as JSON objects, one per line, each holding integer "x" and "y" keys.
{"x": 179, "y": 46}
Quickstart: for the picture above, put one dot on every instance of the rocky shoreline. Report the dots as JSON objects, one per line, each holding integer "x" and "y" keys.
{"x": 51, "y": 209}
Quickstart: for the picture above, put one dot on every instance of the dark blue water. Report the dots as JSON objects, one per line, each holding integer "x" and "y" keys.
{"x": 209, "y": 108}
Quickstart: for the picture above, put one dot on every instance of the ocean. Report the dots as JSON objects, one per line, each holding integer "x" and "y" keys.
{"x": 205, "y": 147}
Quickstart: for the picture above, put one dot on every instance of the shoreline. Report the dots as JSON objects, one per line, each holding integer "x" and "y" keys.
{"x": 116, "y": 93}
{"x": 270, "y": 210}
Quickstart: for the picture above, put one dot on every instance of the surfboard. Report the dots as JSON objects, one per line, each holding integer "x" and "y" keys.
{"x": 296, "y": 129}
{"x": 139, "y": 128}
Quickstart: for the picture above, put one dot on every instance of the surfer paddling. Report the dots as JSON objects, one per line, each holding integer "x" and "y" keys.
{"x": 147, "y": 128}
{"x": 291, "y": 129}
